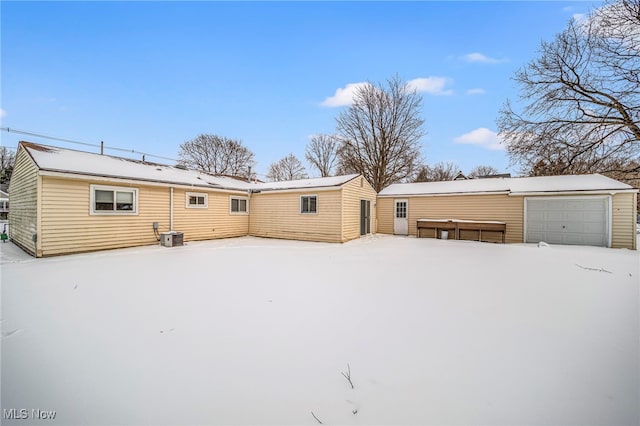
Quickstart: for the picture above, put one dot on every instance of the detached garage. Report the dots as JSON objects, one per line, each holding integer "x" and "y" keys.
{"x": 579, "y": 209}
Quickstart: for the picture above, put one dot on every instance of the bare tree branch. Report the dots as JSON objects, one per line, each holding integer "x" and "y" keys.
{"x": 322, "y": 153}
{"x": 317, "y": 419}
{"x": 381, "y": 133}
{"x": 217, "y": 154}
{"x": 440, "y": 171}
{"x": 7, "y": 158}
{"x": 480, "y": 171}
{"x": 287, "y": 168}
{"x": 581, "y": 98}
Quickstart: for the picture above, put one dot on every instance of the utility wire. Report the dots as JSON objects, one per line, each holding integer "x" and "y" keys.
{"x": 56, "y": 138}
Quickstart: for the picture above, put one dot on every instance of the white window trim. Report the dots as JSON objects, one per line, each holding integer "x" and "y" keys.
{"x": 196, "y": 206}
{"x": 235, "y": 197}
{"x": 308, "y": 196}
{"x": 92, "y": 200}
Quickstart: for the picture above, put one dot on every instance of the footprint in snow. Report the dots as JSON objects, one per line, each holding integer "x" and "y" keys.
{"x": 6, "y": 334}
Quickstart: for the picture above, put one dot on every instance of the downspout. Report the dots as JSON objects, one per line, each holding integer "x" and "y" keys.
{"x": 249, "y": 192}
{"x": 171, "y": 210}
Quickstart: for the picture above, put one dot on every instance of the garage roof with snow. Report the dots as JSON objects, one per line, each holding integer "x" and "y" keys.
{"x": 514, "y": 186}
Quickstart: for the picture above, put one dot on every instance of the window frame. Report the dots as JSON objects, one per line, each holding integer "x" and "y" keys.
{"x": 92, "y": 200}
{"x": 196, "y": 206}
{"x": 302, "y": 197}
{"x": 239, "y": 212}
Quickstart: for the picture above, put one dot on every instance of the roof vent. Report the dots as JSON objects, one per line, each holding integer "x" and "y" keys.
{"x": 181, "y": 166}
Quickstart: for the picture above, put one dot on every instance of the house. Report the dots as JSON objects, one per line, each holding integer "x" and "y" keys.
{"x": 577, "y": 209}
{"x": 4, "y": 206}
{"x": 333, "y": 209}
{"x": 67, "y": 201}
{"x": 460, "y": 176}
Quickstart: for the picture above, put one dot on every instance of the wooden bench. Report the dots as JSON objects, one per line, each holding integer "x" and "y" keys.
{"x": 438, "y": 225}
{"x": 457, "y": 225}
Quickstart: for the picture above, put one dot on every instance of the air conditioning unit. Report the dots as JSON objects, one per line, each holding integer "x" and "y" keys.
{"x": 171, "y": 239}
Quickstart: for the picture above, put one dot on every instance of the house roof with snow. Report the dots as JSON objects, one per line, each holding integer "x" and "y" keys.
{"x": 69, "y": 161}
{"x": 514, "y": 186}
{"x": 324, "y": 182}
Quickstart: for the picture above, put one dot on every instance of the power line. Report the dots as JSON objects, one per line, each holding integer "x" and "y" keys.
{"x": 56, "y": 138}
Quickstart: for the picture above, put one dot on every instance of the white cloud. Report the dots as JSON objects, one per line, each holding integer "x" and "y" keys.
{"x": 2, "y": 112}
{"x": 567, "y": 8}
{"x": 482, "y": 137}
{"x": 430, "y": 85}
{"x": 476, "y": 91}
{"x": 343, "y": 95}
{"x": 481, "y": 58}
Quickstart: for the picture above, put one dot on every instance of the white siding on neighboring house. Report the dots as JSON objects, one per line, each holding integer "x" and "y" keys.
{"x": 23, "y": 201}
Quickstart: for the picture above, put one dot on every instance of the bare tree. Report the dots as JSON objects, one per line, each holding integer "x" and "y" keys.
{"x": 7, "y": 158}
{"x": 479, "y": 171}
{"x": 581, "y": 97}
{"x": 217, "y": 154}
{"x": 287, "y": 168}
{"x": 438, "y": 172}
{"x": 381, "y": 132}
{"x": 322, "y": 153}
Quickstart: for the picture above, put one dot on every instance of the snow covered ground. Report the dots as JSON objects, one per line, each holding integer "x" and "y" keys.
{"x": 258, "y": 331}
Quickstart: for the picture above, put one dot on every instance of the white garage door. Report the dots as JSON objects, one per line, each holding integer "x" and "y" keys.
{"x": 567, "y": 220}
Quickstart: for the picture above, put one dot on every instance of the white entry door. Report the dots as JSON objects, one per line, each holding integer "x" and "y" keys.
{"x": 568, "y": 220}
{"x": 401, "y": 217}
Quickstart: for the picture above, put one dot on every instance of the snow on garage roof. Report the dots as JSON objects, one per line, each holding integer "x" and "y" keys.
{"x": 64, "y": 160}
{"x": 524, "y": 185}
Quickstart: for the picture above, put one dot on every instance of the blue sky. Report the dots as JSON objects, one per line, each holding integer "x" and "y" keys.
{"x": 151, "y": 75}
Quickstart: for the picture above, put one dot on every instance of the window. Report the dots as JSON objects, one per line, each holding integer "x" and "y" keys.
{"x": 113, "y": 200}
{"x": 309, "y": 204}
{"x": 197, "y": 200}
{"x": 239, "y": 205}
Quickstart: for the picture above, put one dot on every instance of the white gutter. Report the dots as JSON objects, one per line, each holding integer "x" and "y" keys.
{"x": 305, "y": 189}
{"x": 590, "y": 192}
{"x": 444, "y": 194}
{"x": 78, "y": 176}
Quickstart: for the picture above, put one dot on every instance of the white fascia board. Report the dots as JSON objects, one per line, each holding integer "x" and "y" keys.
{"x": 444, "y": 194}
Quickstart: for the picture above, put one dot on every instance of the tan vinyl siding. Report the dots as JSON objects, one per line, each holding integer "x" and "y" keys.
{"x": 470, "y": 207}
{"x": 23, "y": 200}
{"x": 623, "y": 224}
{"x": 384, "y": 214}
{"x": 277, "y": 215}
{"x": 215, "y": 221}
{"x": 68, "y": 226}
{"x": 352, "y": 192}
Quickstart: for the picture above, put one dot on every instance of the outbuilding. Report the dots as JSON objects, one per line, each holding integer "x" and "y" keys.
{"x": 575, "y": 209}
{"x": 331, "y": 209}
